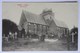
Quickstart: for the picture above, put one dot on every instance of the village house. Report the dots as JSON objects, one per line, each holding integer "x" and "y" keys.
{"x": 45, "y": 23}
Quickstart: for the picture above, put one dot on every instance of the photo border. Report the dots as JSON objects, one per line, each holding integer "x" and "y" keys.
{"x": 39, "y": 1}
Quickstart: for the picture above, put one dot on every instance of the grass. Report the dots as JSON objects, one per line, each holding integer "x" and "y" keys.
{"x": 35, "y": 45}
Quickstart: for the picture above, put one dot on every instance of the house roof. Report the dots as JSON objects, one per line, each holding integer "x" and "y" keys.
{"x": 31, "y": 17}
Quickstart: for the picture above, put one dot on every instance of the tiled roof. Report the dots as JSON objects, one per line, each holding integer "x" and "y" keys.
{"x": 34, "y": 18}
{"x": 60, "y": 23}
{"x": 31, "y": 17}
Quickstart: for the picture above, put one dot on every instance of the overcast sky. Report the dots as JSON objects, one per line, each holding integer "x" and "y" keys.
{"x": 66, "y": 12}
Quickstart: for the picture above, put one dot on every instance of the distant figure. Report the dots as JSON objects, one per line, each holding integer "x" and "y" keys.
{"x": 52, "y": 35}
{"x": 23, "y": 33}
{"x": 11, "y": 36}
{"x": 39, "y": 34}
{"x": 43, "y": 37}
{"x": 15, "y": 35}
{"x": 59, "y": 35}
{"x": 28, "y": 34}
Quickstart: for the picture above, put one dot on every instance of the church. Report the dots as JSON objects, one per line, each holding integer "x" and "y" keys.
{"x": 44, "y": 23}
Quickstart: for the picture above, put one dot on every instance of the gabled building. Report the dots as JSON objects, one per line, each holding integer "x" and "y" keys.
{"x": 43, "y": 23}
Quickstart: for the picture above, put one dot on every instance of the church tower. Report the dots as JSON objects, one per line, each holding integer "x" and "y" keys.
{"x": 47, "y": 15}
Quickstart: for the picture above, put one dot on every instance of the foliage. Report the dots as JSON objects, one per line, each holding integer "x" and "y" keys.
{"x": 8, "y": 26}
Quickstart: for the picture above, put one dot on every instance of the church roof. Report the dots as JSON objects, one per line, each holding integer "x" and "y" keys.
{"x": 34, "y": 18}
{"x": 60, "y": 23}
{"x": 31, "y": 17}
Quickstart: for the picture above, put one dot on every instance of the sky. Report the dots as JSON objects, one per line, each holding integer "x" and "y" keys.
{"x": 66, "y": 12}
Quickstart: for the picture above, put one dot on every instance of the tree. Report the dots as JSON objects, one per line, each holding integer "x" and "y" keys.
{"x": 8, "y": 26}
{"x": 74, "y": 29}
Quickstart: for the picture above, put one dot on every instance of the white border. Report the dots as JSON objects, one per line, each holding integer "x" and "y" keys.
{"x": 36, "y": 51}
{"x": 1, "y": 25}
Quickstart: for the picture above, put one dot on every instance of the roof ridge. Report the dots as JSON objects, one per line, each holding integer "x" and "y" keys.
{"x": 32, "y": 17}
{"x": 29, "y": 12}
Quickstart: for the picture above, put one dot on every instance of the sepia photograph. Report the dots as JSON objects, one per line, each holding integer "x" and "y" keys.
{"x": 40, "y": 26}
